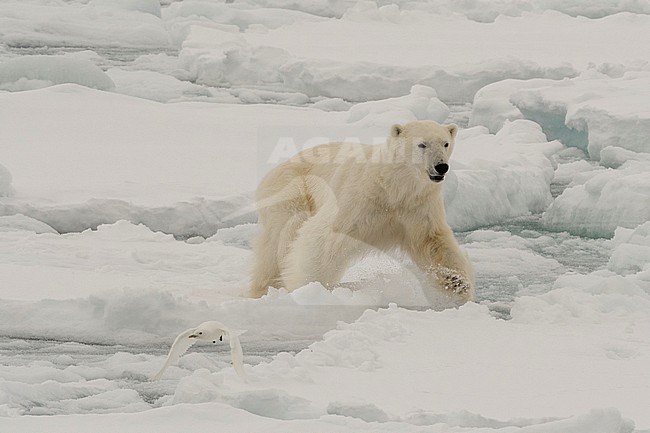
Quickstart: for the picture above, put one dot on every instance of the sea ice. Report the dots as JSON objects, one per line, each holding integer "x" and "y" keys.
{"x": 155, "y": 205}
{"x": 494, "y": 177}
{"x": 631, "y": 253}
{"x": 34, "y": 72}
{"x": 591, "y": 112}
{"x": 22, "y": 222}
{"x": 604, "y": 200}
{"x": 155, "y": 86}
{"x": 5, "y": 182}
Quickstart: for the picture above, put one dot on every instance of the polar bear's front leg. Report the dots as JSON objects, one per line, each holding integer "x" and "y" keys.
{"x": 445, "y": 265}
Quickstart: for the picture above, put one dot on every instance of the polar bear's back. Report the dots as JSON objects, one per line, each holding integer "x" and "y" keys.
{"x": 332, "y": 162}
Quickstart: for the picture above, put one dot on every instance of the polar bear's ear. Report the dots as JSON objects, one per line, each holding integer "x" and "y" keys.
{"x": 453, "y": 129}
{"x": 396, "y": 130}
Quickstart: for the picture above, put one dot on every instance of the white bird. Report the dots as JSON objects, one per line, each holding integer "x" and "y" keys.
{"x": 208, "y": 331}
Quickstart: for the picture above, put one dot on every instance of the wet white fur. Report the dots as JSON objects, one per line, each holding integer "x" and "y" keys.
{"x": 331, "y": 204}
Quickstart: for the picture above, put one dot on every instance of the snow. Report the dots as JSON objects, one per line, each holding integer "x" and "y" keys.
{"x": 243, "y": 44}
{"x": 421, "y": 103}
{"x": 259, "y": 18}
{"x": 186, "y": 189}
{"x": 115, "y": 183}
{"x": 135, "y": 131}
{"x": 361, "y": 354}
{"x": 105, "y": 23}
{"x": 413, "y": 42}
{"x": 222, "y": 57}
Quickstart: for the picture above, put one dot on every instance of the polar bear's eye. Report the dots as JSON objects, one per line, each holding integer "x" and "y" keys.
{"x": 446, "y": 144}
{"x": 422, "y": 146}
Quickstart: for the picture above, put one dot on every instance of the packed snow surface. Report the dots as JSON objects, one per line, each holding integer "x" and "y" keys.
{"x": 134, "y": 133}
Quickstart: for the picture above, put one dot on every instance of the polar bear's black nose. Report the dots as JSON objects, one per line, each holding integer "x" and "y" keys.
{"x": 442, "y": 168}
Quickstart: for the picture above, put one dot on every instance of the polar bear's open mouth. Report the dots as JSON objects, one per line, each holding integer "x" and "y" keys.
{"x": 436, "y": 177}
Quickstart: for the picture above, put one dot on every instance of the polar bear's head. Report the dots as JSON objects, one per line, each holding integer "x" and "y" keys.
{"x": 426, "y": 145}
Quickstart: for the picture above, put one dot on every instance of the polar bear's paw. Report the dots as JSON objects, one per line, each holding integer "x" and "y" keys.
{"x": 452, "y": 281}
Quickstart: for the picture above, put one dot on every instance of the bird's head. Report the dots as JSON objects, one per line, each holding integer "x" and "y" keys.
{"x": 208, "y": 332}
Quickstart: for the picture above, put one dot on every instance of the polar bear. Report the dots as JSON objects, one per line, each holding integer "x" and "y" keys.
{"x": 330, "y": 204}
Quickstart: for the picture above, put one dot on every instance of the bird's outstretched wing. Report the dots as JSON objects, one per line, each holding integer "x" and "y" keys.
{"x": 180, "y": 346}
{"x": 236, "y": 353}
